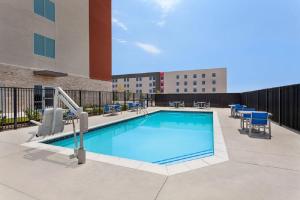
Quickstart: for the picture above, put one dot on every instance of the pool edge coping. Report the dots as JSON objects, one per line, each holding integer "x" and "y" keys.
{"x": 220, "y": 150}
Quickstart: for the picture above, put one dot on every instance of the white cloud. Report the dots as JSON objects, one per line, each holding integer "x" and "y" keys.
{"x": 149, "y": 48}
{"x": 119, "y": 24}
{"x": 166, "y": 6}
{"x": 122, "y": 41}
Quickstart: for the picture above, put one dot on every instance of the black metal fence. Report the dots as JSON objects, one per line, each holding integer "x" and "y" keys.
{"x": 20, "y": 105}
{"x": 282, "y": 102}
{"x": 220, "y": 100}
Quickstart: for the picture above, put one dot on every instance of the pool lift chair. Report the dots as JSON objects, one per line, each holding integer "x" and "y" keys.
{"x": 53, "y": 123}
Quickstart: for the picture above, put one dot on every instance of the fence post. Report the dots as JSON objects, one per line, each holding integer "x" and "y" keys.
{"x": 147, "y": 100}
{"x": 80, "y": 103}
{"x": 15, "y": 109}
{"x": 124, "y": 99}
{"x": 99, "y": 101}
{"x": 279, "y": 116}
{"x": 113, "y": 96}
{"x": 133, "y": 97}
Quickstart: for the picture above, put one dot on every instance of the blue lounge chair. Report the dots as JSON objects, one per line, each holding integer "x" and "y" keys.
{"x": 260, "y": 120}
{"x": 245, "y": 117}
{"x": 238, "y": 108}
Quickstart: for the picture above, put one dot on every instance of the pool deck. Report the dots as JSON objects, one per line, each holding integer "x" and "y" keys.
{"x": 257, "y": 168}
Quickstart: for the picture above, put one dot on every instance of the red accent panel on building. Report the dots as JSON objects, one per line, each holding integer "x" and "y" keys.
{"x": 100, "y": 39}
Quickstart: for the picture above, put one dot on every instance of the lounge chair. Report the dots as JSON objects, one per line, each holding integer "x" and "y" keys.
{"x": 260, "y": 120}
{"x": 245, "y": 117}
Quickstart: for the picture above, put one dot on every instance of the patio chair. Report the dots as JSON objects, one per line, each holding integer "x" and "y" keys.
{"x": 106, "y": 109}
{"x": 171, "y": 104}
{"x": 238, "y": 108}
{"x": 260, "y": 120}
{"x": 118, "y": 107}
{"x": 245, "y": 118}
{"x": 195, "y": 104}
{"x": 207, "y": 105}
{"x": 181, "y": 104}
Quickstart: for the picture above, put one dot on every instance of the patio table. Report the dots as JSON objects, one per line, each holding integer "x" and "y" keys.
{"x": 201, "y": 104}
{"x": 176, "y": 103}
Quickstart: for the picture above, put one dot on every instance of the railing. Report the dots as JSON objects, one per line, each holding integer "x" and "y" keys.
{"x": 20, "y": 105}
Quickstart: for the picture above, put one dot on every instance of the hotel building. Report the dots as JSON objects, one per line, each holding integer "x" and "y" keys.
{"x": 63, "y": 43}
{"x": 188, "y": 81}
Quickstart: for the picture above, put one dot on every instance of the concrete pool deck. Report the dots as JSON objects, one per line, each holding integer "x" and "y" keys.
{"x": 257, "y": 169}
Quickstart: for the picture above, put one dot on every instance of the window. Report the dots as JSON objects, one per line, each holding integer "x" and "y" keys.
{"x": 177, "y": 83}
{"x": 141, "y": 85}
{"x": 195, "y": 90}
{"x": 150, "y": 78}
{"x": 185, "y": 90}
{"x": 195, "y": 76}
{"x": 185, "y": 83}
{"x": 214, "y": 82}
{"x": 44, "y": 46}
{"x": 127, "y": 79}
{"x": 177, "y": 76}
{"x": 214, "y": 90}
{"x": 153, "y": 84}
{"x": 140, "y": 78}
{"x": 203, "y": 82}
{"x": 137, "y": 91}
{"x": 194, "y": 82}
{"x": 150, "y": 84}
{"x": 162, "y": 78}
{"x": 177, "y": 90}
{"x": 45, "y": 8}
{"x": 185, "y": 76}
{"x": 153, "y": 78}
{"x": 137, "y": 85}
{"x": 214, "y": 75}
{"x": 124, "y": 85}
{"x": 128, "y": 85}
{"x": 150, "y": 91}
{"x": 124, "y": 79}
{"x": 203, "y": 75}
{"x": 137, "y": 79}
{"x": 203, "y": 89}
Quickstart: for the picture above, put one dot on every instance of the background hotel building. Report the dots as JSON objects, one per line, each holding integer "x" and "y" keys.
{"x": 190, "y": 81}
{"x": 63, "y": 43}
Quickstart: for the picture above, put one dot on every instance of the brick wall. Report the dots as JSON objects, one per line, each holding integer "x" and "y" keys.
{"x": 13, "y": 76}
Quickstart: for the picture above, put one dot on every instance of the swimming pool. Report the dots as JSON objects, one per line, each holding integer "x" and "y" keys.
{"x": 164, "y": 137}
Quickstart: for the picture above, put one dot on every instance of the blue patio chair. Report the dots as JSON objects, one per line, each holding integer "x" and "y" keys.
{"x": 106, "y": 109}
{"x": 238, "y": 108}
{"x": 245, "y": 117}
{"x": 117, "y": 107}
{"x": 260, "y": 120}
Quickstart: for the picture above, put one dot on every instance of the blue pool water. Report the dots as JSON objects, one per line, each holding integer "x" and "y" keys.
{"x": 162, "y": 138}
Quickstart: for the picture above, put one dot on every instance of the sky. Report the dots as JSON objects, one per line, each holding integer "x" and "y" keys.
{"x": 258, "y": 41}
